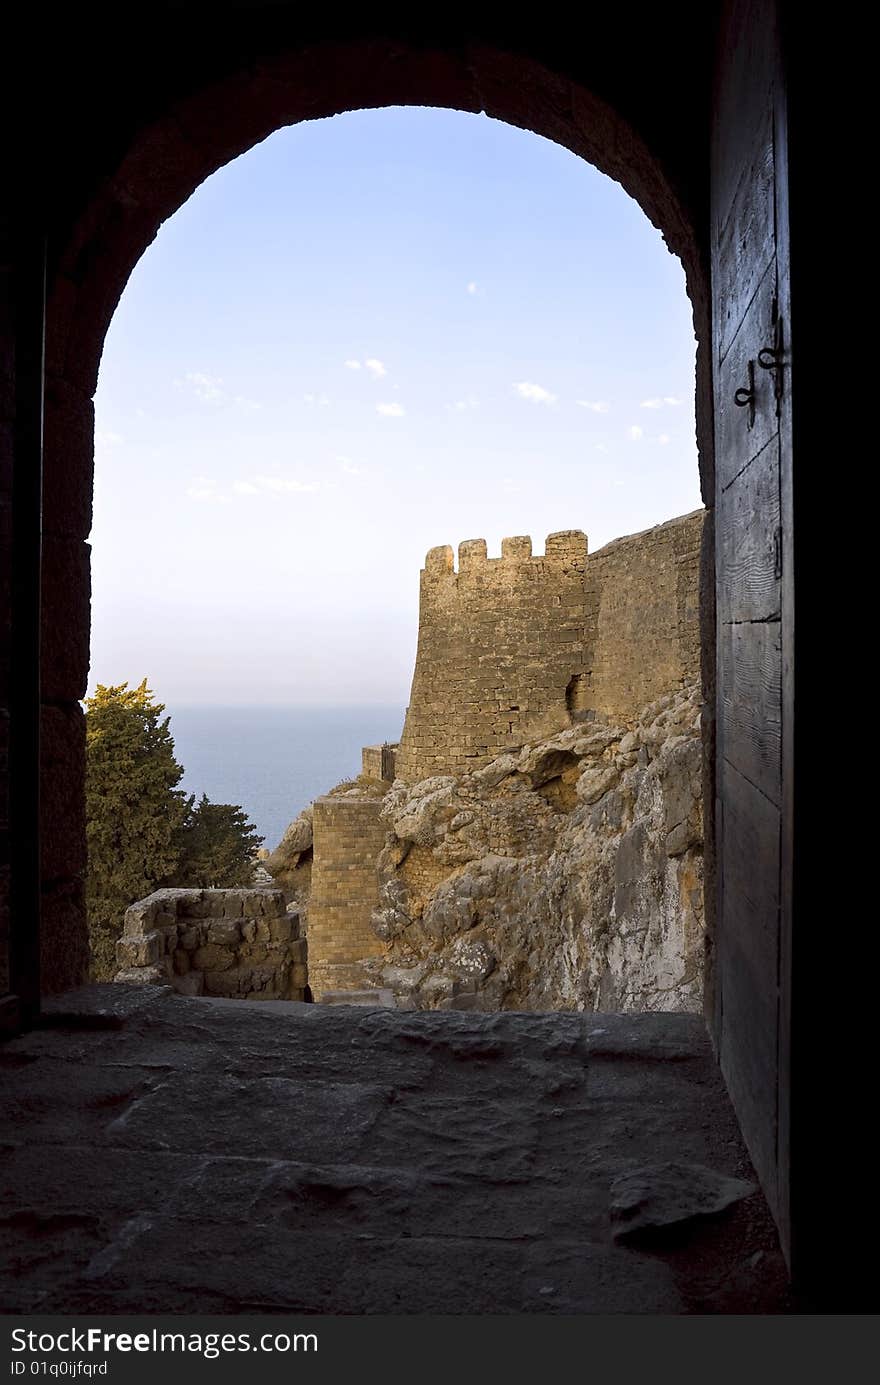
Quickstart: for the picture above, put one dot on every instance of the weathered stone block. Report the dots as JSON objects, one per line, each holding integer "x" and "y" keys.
{"x": 68, "y": 451}
{"x": 142, "y": 976}
{"x": 140, "y": 952}
{"x": 224, "y": 933}
{"x": 139, "y": 918}
{"x": 65, "y": 619}
{"x": 212, "y": 958}
{"x": 193, "y": 904}
{"x": 280, "y": 930}
{"x": 233, "y": 904}
{"x": 62, "y": 805}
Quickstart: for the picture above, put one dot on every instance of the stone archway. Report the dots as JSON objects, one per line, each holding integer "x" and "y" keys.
{"x": 163, "y": 165}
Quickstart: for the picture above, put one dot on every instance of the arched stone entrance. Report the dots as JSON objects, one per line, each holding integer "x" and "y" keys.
{"x": 167, "y": 160}
{"x": 640, "y": 106}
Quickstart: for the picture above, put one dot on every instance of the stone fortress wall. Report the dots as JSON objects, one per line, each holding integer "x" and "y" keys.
{"x": 512, "y": 649}
{"x": 499, "y": 641}
{"x": 643, "y": 631}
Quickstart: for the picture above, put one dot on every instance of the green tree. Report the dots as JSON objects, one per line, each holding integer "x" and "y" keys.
{"x": 218, "y": 845}
{"x": 134, "y": 810}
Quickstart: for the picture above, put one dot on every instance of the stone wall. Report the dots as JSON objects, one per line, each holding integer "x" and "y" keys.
{"x": 235, "y": 943}
{"x": 644, "y": 637}
{"x": 379, "y": 762}
{"x": 348, "y": 835}
{"x": 499, "y": 642}
{"x": 513, "y": 649}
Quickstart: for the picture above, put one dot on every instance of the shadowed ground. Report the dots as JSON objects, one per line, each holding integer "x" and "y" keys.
{"x": 167, "y": 1154}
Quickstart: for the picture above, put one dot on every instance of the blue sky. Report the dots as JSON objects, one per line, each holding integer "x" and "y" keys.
{"x": 367, "y": 336}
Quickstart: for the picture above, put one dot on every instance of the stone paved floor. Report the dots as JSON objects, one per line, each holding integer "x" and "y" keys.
{"x": 176, "y": 1155}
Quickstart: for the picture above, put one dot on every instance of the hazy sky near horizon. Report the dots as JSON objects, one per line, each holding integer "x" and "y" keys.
{"x": 367, "y": 336}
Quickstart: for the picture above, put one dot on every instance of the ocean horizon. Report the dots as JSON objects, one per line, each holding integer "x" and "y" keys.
{"x": 274, "y": 761}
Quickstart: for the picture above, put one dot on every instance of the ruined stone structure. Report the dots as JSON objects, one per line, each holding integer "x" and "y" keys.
{"x": 236, "y": 943}
{"x": 512, "y": 649}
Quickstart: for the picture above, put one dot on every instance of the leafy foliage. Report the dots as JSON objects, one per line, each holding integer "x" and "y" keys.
{"x": 218, "y": 844}
{"x": 142, "y": 831}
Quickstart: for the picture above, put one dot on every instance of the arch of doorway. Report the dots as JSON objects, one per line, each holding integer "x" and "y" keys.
{"x": 161, "y": 167}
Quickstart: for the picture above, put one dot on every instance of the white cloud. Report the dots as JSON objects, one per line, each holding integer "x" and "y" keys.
{"x": 536, "y": 394}
{"x": 510, "y": 485}
{"x": 271, "y": 485}
{"x": 651, "y": 403}
{"x": 321, "y": 400}
{"x": 671, "y": 399}
{"x": 203, "y": 488}
{"x": 348, "y": 466}
{"x": 242, "y": 402}
{"x": 596, "y": 406}
{"x": 279, "y": 485}
{"x": 663, "y": 439}
{"x": 206, "y": 387}
{"x": 390, "y": 410}
{"x": 472, "y": 287}
{"x": 635, "y": 433}
{"x": 376, "y": 367}
{"x": 658, "y": 401}
{"x": 460, "y": 406}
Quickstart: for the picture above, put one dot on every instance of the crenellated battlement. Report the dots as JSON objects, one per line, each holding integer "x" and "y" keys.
{"x": 500, "y": 640}
{"x": 566, "y": 548}
{"x": 515, "y": 647}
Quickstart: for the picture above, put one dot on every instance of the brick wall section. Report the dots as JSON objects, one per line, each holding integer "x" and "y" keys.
{"x": 242, "y": 944}
{"x": 499, "y": 641}
{"x": 348, "y": 837}
{"x": 511, "y": 648}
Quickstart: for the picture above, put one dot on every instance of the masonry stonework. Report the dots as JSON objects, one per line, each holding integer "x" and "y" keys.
{"x": 379, "y": 762}
{"x": 513, "y": 652}
{"x": 348, "y": 836}
{"x": 241, "y": 944}
{"x": 499, "y": 641}
{"x": 643, "y": 637}
{"x": 513, "y": 649}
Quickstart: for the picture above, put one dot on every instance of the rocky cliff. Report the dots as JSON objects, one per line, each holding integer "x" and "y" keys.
{"x": 567, "y": 875}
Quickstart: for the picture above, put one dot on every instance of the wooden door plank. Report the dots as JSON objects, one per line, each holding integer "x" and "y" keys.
{"x": 749, "y": 541}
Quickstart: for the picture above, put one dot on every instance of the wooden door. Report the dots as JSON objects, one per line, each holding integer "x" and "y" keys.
{"x": 754, "y": 588}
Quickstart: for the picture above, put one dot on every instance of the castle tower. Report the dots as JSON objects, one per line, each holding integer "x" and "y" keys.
{"x": 501, "y": 646}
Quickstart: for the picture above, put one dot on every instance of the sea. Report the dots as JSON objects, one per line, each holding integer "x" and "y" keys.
{"x": 273, "y": 761}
